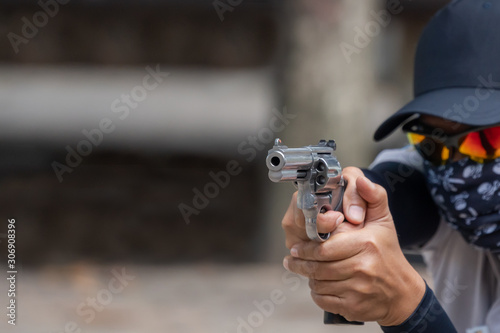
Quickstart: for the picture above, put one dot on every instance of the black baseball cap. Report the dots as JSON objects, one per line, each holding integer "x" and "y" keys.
{"x": 457, "y": 67}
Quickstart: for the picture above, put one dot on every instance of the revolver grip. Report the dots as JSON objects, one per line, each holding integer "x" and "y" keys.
{"x": 336, "y": 319}
{"x": 332, "y": 318}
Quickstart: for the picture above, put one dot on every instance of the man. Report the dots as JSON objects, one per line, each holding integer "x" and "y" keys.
{"x": 442, "y": 191}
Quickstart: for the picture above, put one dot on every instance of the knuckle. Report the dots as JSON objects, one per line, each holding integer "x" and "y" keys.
{"x": 367, "y": 265}
{"x": 364, "y": 289}
{"x": 370, "y": 243}
{"x": 367, "y": 269}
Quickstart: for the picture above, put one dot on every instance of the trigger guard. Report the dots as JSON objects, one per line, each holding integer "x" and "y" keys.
{"x": 323, "y": 201}
{"x": 312, "y": 231}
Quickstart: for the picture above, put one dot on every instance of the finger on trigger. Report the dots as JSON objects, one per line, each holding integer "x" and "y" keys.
{"x": 329, "y": 221}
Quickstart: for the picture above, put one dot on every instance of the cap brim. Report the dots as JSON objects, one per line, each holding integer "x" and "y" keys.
{"x": 470, "y": 106}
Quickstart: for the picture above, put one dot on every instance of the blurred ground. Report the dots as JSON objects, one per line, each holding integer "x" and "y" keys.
{"x": 202, "y": 298}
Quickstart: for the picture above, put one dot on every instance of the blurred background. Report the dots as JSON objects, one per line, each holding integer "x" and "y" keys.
{"x": 133, "y": 136}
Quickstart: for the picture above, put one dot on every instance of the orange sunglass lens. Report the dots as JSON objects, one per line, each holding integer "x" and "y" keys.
{"x": 445, "y": 154}
{"x": 415, "y": 138}
{"x": 484, "y": 144}
{"x": 430, "y": 149}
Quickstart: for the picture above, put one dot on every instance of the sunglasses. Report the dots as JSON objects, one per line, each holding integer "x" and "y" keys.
{"x": 480, "y": 144}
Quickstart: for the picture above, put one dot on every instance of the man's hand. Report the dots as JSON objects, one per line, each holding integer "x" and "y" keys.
{"x": 359, "y": 273}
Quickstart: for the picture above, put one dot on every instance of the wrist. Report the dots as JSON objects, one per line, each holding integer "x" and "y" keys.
{"x": 406, "y": 300}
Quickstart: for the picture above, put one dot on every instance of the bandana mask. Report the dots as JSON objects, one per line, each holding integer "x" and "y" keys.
{"x": 467, "y": 194}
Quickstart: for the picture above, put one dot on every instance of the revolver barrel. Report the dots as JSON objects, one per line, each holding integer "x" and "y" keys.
{"x": 289, "y": 164}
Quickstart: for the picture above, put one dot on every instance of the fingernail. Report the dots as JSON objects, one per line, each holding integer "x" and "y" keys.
{"x": 294, "y": 252}
{"x": 356, "y": 212}
{"x": 339, "y": 220}
{"x": 285, "y": 264}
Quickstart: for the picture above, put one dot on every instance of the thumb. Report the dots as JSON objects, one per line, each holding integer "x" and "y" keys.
{"x": 377, "y": 209}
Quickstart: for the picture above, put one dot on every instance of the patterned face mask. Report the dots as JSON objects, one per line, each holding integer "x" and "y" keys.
{"x": 467, "y": 194}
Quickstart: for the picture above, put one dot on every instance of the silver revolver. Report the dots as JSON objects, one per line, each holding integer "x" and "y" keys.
{"x": 317, "y": 174}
